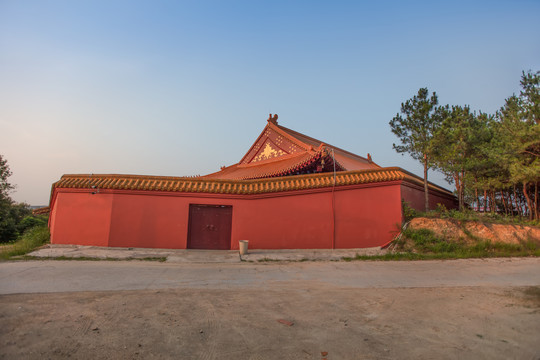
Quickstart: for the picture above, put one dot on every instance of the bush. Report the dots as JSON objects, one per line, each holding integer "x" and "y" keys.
{"x": 30, "y": 240}
{"x": 11, "y": 215}
{"x": 425, "y": 241}
{"x": 31, "y": 221}
{"x": 466, "y": 215}
{"x": 408, "y": 212}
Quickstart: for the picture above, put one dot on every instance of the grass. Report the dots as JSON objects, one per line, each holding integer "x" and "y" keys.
{"x": 27, "y": 242}
{"x": 409, "y": 256}
{"x": 39, "y": 236}
{"x": 424, "y": 244}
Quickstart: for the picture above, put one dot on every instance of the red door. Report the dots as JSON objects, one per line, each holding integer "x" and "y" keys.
{"x": 209, "y": 227}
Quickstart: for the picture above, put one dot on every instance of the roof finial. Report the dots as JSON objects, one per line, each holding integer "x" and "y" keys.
{"x": 273, "y": 119}
{"x": 369, "y": 158}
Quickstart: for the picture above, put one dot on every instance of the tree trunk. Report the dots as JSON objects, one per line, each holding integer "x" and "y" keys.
{"x": 518, "y": 199}
{"x": 462, "y": 189}
{"x": 458, "y": 190}
{"x": 514, "y": 201}
{"x": 485, "y": 200}
{"x": 528, "y": 200}
{"x": 510, "y": 202}
{"x": 426, "y": 189}
{"x": 504, "y": 203}
{"x": 536, "y": 200}
{"x": 476, "y": 194}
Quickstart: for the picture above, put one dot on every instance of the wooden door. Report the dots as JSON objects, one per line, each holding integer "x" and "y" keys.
{"x": 209, "y": 227}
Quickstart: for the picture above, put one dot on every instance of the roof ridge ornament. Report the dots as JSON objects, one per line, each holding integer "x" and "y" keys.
{"x": 273, "y": 119}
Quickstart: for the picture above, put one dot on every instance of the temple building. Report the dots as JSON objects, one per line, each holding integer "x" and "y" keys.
{"x": 289, "y": 191}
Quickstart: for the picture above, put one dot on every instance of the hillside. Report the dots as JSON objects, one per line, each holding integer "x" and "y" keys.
{"x": 428, "y": 238}
{"x": 472, "y": 231}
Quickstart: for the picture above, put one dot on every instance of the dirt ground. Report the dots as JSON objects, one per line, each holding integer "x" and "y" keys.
{"x": 274, "y": 323}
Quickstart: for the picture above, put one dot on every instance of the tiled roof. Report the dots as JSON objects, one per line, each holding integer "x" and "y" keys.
{"x": 352, "y": 161}
{"x": 217, "y": 186}
{"x": 279, "y": 151}
{"x": 41, "y": 211}
{"x": 276, "y": 167}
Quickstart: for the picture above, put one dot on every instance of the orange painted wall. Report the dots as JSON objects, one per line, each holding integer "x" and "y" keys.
{"x": 284, "y": 222}
{"x": 371, "y": 217}
{"x": 148, "y": 221}
{"x": 81, "y": 218}
{"x": 414, "y": 196}
{"x": 365, "y": 216}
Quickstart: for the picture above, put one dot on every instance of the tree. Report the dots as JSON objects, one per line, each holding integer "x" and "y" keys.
{"x": 453, "y": 145}
{"x": 483, "y": 168}
{"x": 519, "y": 120}
{"x": 11, "y": 214}
{"x": 530, "y": 96}
{"x": 5, "y": 173}
{"x": 415, "y": 127}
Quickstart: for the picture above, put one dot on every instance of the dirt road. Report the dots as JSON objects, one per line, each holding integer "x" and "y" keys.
{"x": 60, "y": 276}
{"x": 275, "y": 311}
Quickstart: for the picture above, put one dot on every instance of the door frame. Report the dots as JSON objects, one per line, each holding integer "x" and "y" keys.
{"x": 190, "y": 219}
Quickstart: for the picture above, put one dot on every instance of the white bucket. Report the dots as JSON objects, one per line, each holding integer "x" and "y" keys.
{"x": 243, "y": 247}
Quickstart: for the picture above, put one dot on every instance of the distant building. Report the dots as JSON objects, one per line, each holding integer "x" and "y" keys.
{"x": 288, "y": 191}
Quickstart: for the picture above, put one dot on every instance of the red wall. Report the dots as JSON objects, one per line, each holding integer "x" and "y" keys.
{"x": 371, "y": 216}
{"x": 81, "y": 218}
{"x": 414, "y": 196}
{"x": 365, "y": 216}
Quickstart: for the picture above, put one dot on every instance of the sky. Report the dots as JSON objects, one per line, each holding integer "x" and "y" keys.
{"x": 180, "y": 88}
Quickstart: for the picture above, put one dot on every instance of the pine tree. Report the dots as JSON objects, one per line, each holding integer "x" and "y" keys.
{"x": 415, "y": 127}
{"x": 519, "y": 121}
{"x": 454, "y": 144}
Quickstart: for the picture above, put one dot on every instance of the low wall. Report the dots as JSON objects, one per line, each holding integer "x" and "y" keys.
{"x": 413, "y": 194}
{"x": 356, "y": 216}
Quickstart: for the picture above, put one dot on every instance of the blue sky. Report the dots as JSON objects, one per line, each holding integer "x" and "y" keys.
{"x": 182, "y": 88}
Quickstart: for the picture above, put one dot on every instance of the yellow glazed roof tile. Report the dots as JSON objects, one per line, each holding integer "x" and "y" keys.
{"x": 224, "y": 186}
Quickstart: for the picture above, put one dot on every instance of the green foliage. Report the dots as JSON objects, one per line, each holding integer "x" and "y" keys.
{"x": 415, "y": 127}
{"x": 408, "y": 212}
{"x": 493, "y": 160}
{"x": 459, "y": 144}
{"x": 470, "y": 215}
{"x": 425, "y": 241}
{"x": 424, "y": 244}
{"x": 11, "y": 214}
{"x": 459, "y": 215}
{"x": 484, "y": 250}
{"x": 30, "y": 221}
{"x": 519, "y": 137}
{"x": 5, "y": 173}
{"x": 530, "y": 95}
{"x": 520, "y": 140}
{"x": 487, "y": 248}
{"x": 30, "y": 240}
